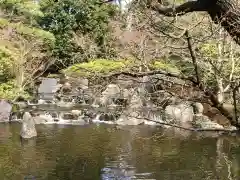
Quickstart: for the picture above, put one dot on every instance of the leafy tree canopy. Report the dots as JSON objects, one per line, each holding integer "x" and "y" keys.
{"x": 69, "y": 18}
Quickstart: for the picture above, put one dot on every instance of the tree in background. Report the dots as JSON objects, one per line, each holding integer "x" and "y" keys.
{"x": 24, "y": 48}
{"x": 81, "y": 29}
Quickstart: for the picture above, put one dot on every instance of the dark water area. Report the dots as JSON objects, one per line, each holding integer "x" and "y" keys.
{"x": 103, "y": 152}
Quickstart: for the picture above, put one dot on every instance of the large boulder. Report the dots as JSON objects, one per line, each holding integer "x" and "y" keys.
{"x": 181, "y": 114}
{"x": 5, "y": 111}
{"x": 28, "y": 127}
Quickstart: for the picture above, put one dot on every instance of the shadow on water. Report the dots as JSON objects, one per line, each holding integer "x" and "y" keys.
{"x": 109, "y": 152}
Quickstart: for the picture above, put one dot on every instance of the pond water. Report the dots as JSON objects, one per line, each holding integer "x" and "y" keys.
{"x": 103, "y": 152}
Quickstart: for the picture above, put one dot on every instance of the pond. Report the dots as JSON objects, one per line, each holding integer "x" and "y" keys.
{"x": 104, "y": 152}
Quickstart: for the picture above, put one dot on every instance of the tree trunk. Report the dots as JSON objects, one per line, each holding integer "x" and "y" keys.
{"x": 225, "y": 12}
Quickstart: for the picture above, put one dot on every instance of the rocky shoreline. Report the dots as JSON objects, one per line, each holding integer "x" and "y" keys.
{"x": 123, "y": 101}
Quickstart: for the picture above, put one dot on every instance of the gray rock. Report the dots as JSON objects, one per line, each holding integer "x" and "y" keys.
{"x": 5, "y": 111}
{"x": 203, "y": 122}
{"x": 48, "y": 88}
{"x": 43, "y": 118}
{"x": 198, "y": 108}
{"x": 179, "y": 114}
{"x": 231, "y": 128}
{"x": 76, "y": 112}
{"x": 28, "y": 127}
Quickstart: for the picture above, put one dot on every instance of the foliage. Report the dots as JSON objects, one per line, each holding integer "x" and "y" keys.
{"x": 69, "y": 18}
{"x": 6, "y": 63}
{"x": 23, "y": 47}
{"x": 24, "y": 10}
{"x": 209, "y": 50}
{"x": 10, "y": 91}
{"x": 26, "y": 30}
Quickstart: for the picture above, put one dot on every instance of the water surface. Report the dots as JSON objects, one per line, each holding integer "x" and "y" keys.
{"x": 103, "y": 152}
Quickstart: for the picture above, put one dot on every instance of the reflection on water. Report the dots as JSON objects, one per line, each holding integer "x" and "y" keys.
{"x": 106, "y": 152}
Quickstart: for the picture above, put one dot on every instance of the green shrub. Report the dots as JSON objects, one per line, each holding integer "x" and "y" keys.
{"x": 28, "y": 31}
{"x": 6, "y": 64}
{"x": 9, "y": 91}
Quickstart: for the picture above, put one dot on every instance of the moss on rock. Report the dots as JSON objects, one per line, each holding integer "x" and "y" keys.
{"x": 98, "y": 67}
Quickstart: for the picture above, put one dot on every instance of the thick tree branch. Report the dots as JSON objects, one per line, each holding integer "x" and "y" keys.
{"x": 182, "y": 9}
{"x": 224, "y": 12}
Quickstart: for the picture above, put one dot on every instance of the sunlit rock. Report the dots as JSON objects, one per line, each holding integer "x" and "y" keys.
{"x": 76, "y": 112}
{"x": 198, "y": 108}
